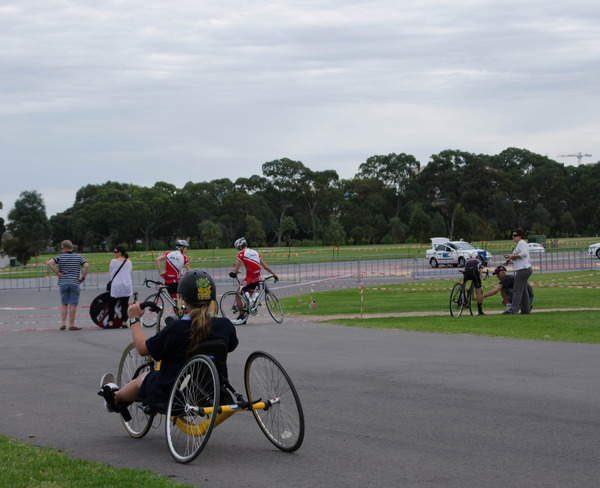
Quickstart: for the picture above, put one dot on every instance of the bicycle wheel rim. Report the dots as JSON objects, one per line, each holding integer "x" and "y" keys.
{"x": 188, "y": 429}
{"x": 149, "y": 317}
{"x": 228, "y": 305}
{"x": 283, "y": 422}
{"x": 456, "y": 302}
{"x": 130, "y": 366}
{"x": 274, "y": 307}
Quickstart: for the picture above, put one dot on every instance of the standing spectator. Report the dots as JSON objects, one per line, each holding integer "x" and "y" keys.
{"x": 67, "y": 266}
{"x": 175, "y": 261}
{"x": 121, "y": 285}
{"x": 522, "y": 266}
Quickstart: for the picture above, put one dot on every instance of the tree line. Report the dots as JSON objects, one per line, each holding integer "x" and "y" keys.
{"x": 391, "y": 199}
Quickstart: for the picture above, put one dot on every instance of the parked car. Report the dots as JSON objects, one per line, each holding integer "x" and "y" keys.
{"x": 451, "y": 253}
{"x": 594, "y": 249}
{"x": 535, "y": 247}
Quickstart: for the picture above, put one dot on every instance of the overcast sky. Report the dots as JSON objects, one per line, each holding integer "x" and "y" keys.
{"x": 138, "y": 91}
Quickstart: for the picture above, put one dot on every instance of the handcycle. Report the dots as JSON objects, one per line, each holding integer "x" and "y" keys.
{"x": 461, "y": 298}
{"x": 243, "y": 304}
{"x": 162, "y": 294}
{"x": 194, "y": 408}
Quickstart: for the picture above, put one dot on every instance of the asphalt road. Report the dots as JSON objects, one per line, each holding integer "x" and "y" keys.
{"x": 382, "y": 408}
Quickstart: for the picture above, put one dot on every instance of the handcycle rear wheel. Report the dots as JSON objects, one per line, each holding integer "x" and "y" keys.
{"x": 283, "y": 422}
{"x": 149, "y": 317}
{"x": 130, "y": 367}
{"x": 456, "y": 300}
{"x": 273, "y": 306}
{"x": 228, "y": 306}
{"x": 188, "y": 427}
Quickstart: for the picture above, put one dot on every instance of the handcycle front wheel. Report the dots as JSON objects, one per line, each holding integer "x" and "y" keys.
{"x": 188, "y": 426}
{"x": 229, "y": 308}
{"x": 273, "y": 306}
{"x": 149, "y": 317}
{"x": 130, "y": 367}
{"x": 266, "y": 380}
{"x": 456, "y": 300}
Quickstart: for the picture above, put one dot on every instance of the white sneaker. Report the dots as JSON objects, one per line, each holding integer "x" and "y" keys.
{"x": 108, "y": 387}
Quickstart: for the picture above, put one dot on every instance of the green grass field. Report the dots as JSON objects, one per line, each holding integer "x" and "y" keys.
{"x": 556, "y": 291}
{"x": 209, "y": 257}
{"x": 25, "y": 466}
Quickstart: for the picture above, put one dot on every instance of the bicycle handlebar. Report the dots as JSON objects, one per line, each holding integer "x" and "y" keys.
{"x": 235, "y": 276}
{"x": 157, "y": 283}
{"x": 151, "y": 305}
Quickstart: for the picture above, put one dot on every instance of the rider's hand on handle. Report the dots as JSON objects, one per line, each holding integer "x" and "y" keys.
{"x": 135, "y": 311}
{"x": 233, "y": 274}
{"x": 276, "y": 277}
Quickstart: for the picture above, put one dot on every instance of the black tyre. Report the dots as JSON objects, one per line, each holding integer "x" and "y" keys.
{"x": 229, "y": 308}
{"x": 461, "y": 262}
{"x": 456, "y": 300}
{"x": 149, "y": 317}
{"x": 273, "y": 306}
{"x": 130, "y": 367}
{"x": 469, "y": 303}
{"x": 434, "y": 263}
{"x": 193, "y": 409}
{"x": 266, "y": 380}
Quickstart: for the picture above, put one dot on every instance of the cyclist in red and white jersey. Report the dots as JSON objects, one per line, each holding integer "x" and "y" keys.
{"x": 253, "y": 263}
{"x": 175, "y": 261}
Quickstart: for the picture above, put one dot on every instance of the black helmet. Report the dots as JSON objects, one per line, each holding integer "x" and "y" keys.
{"x": 197, "y": 286}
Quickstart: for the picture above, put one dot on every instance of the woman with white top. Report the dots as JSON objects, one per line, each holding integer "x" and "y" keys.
{"x": 522, "y": 267}
{"x": 121, "y": 287}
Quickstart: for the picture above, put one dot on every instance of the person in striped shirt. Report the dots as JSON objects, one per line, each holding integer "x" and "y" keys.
{"x": 68, "y": 266}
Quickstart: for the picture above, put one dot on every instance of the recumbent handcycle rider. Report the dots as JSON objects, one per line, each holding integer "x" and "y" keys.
{"x": 173, "y": 345}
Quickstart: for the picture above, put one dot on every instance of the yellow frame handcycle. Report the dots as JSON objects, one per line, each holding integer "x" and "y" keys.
{"x": 194, "y": 408}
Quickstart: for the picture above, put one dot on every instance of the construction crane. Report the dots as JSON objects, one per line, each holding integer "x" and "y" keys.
{"x": 578, "y": 156}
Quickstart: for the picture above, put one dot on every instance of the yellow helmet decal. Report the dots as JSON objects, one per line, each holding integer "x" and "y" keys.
{"x": 204, "y": 289}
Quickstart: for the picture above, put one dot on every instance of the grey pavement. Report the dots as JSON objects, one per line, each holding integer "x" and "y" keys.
{"x": 382, "y": 407}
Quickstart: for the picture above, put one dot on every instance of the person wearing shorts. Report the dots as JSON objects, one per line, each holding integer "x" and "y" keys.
{"x": 68, "y": 268}
{"x": 175, "y": 261}
{"x": 473, "y": 271}
{"x": 253, "y": 262}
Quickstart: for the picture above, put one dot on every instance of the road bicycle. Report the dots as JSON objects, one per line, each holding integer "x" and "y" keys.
{"x": 461, "y": 298}
{"x": 202, "y": 398}
{"x": 238, "y": 305}
{"x": 162, "y": 294}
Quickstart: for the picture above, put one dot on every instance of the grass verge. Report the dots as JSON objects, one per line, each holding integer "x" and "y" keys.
{"x": 574, "y": 290}
{"x": 26, "y": 466}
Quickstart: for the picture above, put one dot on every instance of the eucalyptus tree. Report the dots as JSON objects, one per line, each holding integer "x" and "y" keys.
{"x": 397, "y": 172}
{"x": 28, "y": 226}
{"x": 154, "y": 210}
{"x": 106, "y": 211}
{"x": 287, "y": 181}
{"x": 364, "y": 202}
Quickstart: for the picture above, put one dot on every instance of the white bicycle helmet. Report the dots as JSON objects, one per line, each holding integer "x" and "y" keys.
{"x": 182, "y": 243}
{"x": 240, "y": 242}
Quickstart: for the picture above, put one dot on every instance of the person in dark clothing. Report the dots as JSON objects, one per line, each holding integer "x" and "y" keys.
{"x": 173, "y": 345}
{"x": 506, "y": 283}
{"x": 473, "y": 271}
